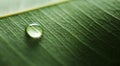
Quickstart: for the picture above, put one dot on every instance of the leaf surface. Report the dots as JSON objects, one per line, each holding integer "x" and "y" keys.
{"x": 77, "y": 33}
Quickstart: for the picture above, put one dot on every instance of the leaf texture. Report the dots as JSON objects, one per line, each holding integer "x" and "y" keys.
{"x": 77, "y": 33}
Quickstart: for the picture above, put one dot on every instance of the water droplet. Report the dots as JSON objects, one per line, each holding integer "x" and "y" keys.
{"x": 34, "y": 31}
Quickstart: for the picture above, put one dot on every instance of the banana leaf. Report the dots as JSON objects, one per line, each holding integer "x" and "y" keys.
{"x": 75, "y": 33}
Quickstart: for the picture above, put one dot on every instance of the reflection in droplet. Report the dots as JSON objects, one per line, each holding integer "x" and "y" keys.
{"x": 34, "y": 31}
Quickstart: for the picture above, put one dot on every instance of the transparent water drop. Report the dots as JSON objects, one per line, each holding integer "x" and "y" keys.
{"x": 34, "y": 31}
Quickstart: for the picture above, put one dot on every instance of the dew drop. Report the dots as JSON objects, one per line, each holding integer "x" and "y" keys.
{"x": 34, "y": 31}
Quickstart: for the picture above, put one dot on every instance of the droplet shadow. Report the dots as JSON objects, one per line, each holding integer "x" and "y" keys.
{"x": 31, "y": 42}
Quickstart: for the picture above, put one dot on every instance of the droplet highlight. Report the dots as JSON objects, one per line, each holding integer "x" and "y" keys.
{"x": 34, "y": 31}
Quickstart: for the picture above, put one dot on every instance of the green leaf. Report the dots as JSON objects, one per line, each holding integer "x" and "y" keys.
{"x": 76, "y": 33}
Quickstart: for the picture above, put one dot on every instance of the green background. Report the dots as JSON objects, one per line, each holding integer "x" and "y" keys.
{"x": 76, "y": 33}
